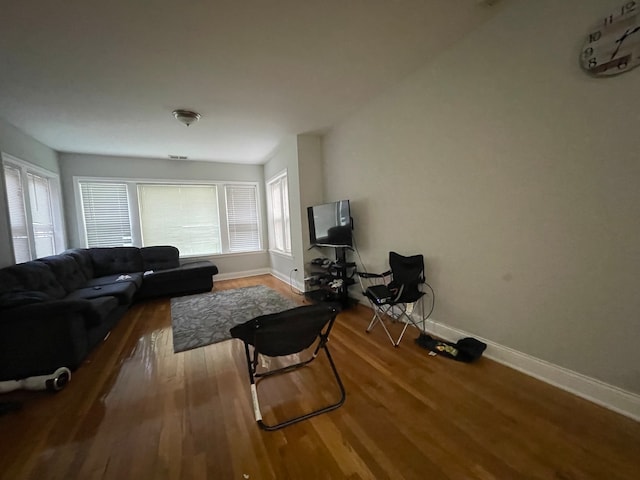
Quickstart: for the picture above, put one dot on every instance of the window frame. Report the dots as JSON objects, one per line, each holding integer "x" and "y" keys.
{"x": 55, "y": 203}
{"x": 134, "y": 209}
{"x": 282, "y": 178}
{"x": 83, "y": 220}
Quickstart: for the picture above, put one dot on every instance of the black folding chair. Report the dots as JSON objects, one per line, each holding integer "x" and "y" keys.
{"x": 286, "y": 333}
{"x": 399, "y": 291}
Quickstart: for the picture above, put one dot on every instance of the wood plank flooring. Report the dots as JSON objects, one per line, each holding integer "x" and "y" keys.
{"x": 136, "y": 410}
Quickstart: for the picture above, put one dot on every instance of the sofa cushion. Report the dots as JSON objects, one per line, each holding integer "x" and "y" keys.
{"x": 36, "y": 276}
{"x": 100, "y": 309}
{"x": 83, "y": 259}
{"x": 9, "y": 279}
{"x": 18, "y": 298}
{"x": 123, "y": 291}
{"x": 159, "y": 257}
{"x": 115, "y": 260}
{"x": 67, "y": 271}
{"x": 186, "y": 271}
{"x": 134, "y": 277}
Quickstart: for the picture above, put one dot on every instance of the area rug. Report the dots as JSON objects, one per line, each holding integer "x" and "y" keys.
{"x": 206, "y": 318}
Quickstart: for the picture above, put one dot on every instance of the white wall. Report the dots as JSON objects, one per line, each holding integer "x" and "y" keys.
{"x": 285, "y": 157}
{"x": 301, "y": 157}
{"x": 310, "y": 166}
{"x": 20, "y": 145}
{"x": 72, "y": 164}
{"x": 516, "y": 175}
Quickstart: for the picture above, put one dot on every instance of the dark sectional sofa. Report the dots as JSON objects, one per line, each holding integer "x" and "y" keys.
{"x": 55, "y": 310}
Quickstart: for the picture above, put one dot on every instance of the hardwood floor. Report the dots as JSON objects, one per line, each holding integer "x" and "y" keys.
{"x": 137, "y": 410}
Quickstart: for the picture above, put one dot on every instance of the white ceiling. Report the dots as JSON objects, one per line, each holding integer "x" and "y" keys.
{"x": 103, "y": 77}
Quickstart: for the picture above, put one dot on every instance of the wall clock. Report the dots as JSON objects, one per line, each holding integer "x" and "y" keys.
{"x": 613, "y": 43}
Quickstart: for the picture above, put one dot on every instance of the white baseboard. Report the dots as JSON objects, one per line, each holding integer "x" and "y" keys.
{"x": 603, "y": 394}
{"x": 246, "y": 273}
{"x": 289, "y": 281}
{"x": 260, "y": 271}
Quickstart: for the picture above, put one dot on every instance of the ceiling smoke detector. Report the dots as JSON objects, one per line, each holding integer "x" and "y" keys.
{"x": 186, "y": 117}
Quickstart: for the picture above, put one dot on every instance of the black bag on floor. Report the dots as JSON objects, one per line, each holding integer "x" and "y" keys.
{"x": 465, "y": 350}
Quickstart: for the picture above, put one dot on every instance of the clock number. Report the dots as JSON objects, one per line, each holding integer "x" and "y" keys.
{"x": 595, "y": 36}
{"x": 588, "y": 52}
{"x": 592, "y": 63}
{"x": 626, "y": 9}
{"x": 629, "y": 7}
{"x": 621, "y": 63}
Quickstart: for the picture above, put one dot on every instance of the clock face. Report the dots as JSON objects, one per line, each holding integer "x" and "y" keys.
{"x": 613, "y": 43}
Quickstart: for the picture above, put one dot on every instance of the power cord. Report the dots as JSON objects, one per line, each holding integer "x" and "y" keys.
{"x": 433, "y": 301}
{"x": 355, "y": 248}
{"x": 293, "y": 289}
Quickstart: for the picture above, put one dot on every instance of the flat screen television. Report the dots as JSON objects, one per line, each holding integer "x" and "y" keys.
{"x": 330, "y": 224}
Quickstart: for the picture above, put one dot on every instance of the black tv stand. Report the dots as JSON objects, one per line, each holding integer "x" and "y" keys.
{"x": 333, "y": 280}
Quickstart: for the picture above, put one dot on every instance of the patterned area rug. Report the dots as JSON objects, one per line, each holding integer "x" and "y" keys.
{"x": 206, "y": 318}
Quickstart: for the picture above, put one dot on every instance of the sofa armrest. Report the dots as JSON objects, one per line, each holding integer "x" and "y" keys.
{"x": 44, "y": 309}
{"x": 191, "y": 277}
{"x": 36, "y": 339}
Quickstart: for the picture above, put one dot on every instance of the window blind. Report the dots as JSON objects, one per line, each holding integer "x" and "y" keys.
{"x": 280, "y": 218}
{"x": 17, "y": 214}
{"x": 242, "y": 218}
{"x": 105, "y": 208}
{"x": 287, "y": 217}
{"x": 185, "y": 216}
{"x": 277, "y": 215}
{"x": 41, "y": 215}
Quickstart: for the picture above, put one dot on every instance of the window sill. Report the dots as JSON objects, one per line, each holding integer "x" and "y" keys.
{"x": 217, "y": 255}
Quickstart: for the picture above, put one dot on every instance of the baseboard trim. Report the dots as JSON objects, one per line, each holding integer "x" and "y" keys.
{"x": 246, "y": 273}
{"x": 254, "y": 273}
{"x": 289, "y": 281}
{"x": 600, "y": 393}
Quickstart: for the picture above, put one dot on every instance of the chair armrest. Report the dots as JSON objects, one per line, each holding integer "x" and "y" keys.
{"x": 374, "y": 275}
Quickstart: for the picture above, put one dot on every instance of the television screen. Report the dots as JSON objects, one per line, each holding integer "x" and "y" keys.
{"x": 330, "y": 224}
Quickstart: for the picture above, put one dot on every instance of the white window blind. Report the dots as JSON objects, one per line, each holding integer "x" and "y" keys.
{"x": 41, "y": 215}
{"x": 280, "y": 219}
{"x": 276, "y": 212}
{"x": 17, "y": 214}
{"x": 105, "y": 208}
{"x": 185, "y": 216}
{"x": 242, "y": 218}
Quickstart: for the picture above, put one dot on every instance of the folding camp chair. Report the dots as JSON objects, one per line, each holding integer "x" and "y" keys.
{"x": 396, "y": 292}
{"x": 286, "y": 333}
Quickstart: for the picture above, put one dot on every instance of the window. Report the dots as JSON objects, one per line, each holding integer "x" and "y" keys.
{"x": 242, "y": 217}
{"x": 105, "y": 210}
{"x": 33, "y": 196}
{"x": 17, "y": 214}
{"x": 199, "y": 219}
{"x": 185, "y": 216}
{"x": 278, "y": 192}
{"x": 41, "y": 215}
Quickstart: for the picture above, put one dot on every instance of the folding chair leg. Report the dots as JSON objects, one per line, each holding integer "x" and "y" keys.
{"x": 252, "y": 380}
{"x": 378, "y": 319}
{"x": 254, "y": 391}
{"x": 373, "y": 321}
{"x": 379, "y": 312}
